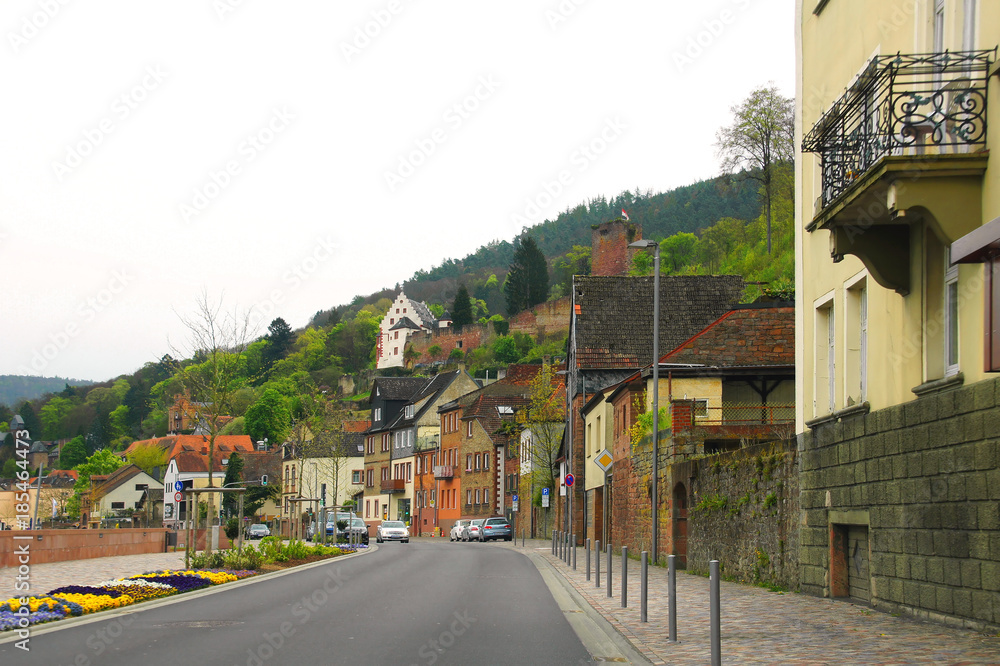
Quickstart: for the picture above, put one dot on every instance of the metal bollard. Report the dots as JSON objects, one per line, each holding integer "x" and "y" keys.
{"x": 672, "y": 598}
{"x": 624, "y": 576}
{"x": 522, "y": 538}
{"x": 597, "y": 563}
{"x": 573, "y": 542}
{"x": 586, "y": 553}
{"x": 716, "y": 635}
{"x": 643, "y": 586}
{"x": 553, "y": 543}
{"x": 608, "y": 547}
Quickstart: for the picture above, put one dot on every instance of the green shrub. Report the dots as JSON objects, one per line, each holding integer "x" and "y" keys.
{"x": 233, "y": 528}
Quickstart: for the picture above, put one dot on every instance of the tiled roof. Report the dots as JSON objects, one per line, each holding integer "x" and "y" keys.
{"x": 116, "y": 478}
{"x": 404, "y": 322}
{"x": 424, "y": 312}
{"x": 398, "y": 388}
{"x": 613, "y": 325}
{"x": 175, "y": 444}
{"x": 357, "y": 425}
{"x": 741, "y": 338}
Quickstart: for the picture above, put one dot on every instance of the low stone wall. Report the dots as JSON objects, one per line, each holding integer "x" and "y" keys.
{"x": 64, "y": 545}
{"x": 743, "y": 510}
{"x": 902, "y": 505}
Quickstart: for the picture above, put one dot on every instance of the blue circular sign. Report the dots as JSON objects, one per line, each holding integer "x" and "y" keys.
{"x": 570, "y": 480}
{"x": 178, "y": 486}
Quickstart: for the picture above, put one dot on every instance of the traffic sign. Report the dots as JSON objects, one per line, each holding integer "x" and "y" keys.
{"x": 513, "y": 498}
{"x": 604, "y": 459}
{"x": 178, "y": 486}
{"x": 178, "y": 497}
{"x": 569, "y": 480}
{"x": 545, "y": 491}
{"x": 513, "y": 505}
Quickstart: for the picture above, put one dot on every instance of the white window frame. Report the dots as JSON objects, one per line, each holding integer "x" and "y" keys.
{"x": 951, "y": 321}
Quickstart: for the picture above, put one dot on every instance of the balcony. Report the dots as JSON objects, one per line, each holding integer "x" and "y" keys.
{"x": 443, "y": 471}
{"x": 732, "y": 420}
{"x": 906, "y": 119}
{"x": 393, "y": 486}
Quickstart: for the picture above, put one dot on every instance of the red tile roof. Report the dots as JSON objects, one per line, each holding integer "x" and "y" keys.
{"x": 741, "y": 338}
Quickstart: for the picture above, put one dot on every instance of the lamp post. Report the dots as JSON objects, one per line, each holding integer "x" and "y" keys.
{"x": 656, "y": 382}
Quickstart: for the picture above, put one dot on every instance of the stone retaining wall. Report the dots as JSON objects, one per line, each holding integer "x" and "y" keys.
{"x": 63, "y": 545}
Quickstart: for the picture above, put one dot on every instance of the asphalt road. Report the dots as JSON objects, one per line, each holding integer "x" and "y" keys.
{"x": 425, "y": 602}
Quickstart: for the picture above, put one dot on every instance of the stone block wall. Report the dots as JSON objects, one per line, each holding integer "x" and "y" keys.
{"x": 924, "y": 479}
{"x": 743, "y": 510}
{"x": 545, "y": 320}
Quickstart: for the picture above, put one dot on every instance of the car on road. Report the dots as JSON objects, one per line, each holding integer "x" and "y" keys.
{"x": 495, "y": 529}
{"x": 353, "y": 525}
{"x": 392, "y": 530}
{"x": 458, "y": 528}
{"x": 258, "y": 531}
{"x": 472, "y": 530}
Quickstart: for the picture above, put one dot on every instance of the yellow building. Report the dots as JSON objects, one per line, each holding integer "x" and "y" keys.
{"x": 894, "y": 106}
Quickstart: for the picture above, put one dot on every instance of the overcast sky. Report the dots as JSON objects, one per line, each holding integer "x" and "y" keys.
{"x": 287, "y": 156}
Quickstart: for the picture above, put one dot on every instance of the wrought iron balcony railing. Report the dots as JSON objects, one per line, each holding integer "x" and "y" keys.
{"x": 924, "y": 104}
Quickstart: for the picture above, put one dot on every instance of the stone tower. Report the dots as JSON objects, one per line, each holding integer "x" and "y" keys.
{"x": 609, "y": 250}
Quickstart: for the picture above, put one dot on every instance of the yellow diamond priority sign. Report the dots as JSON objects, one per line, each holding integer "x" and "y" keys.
{"x": 604, "y": 460}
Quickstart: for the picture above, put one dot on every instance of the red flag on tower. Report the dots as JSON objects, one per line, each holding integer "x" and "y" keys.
{"x": 624, "y": 215}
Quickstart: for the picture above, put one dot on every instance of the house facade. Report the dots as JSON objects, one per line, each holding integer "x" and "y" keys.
{"x": 404, "y": 318}
{"x": 897, "y": 211}
{"x": 117, "y": 499}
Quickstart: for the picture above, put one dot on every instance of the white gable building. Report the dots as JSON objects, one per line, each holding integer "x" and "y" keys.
{"x": 404, "y": 318}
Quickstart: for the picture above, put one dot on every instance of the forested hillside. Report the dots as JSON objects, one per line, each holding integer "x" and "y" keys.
{"x": 17, "y": 387}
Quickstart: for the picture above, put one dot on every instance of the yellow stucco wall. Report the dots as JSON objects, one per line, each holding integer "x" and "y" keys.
{"x": 903, "y": 346}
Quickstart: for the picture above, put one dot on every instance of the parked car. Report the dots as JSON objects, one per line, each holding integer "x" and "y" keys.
{"x": 258, "y": 531}
{"x": 352, "y": 525}
{"x": 472, "y": 530}
{"x": 392, "y": 530}
{"x": 356, "y": 528}
{"x": 458, "y": 528}
{"x": 496, "y": 528}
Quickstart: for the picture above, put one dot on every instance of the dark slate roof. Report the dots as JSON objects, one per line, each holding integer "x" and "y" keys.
{"x": 404, "y": 322}
{"x": 424, "y": 312}
{"x": 613, "y": 315}
{"x": 741, "y": 338}
{"x": 431, "y": 388}
{"x": 398, "y": 388}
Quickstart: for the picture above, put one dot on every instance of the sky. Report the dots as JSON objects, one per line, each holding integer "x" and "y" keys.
{"x": 284, "y": 157}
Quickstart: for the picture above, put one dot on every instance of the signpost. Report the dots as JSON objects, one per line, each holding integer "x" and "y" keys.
{"x": 513, "y": 501}
{"x": 545, "y": 497}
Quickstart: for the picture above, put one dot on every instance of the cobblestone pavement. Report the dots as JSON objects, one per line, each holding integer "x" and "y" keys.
{"x": 45, "y": 577}
{"x": 764, "y": 627}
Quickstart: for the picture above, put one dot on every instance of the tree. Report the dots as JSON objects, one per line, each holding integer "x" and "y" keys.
{"x": 148, "y": 457}
{"x": 279, "y": 341}
{"x": 31, "y": 422}
{"x": 677, "y": 251}
{"x": 527, "y": 283}
{"x": 268, "y": 418}
{"x": 234, "y": 475}
{"x": 461, "y": 309}
{"x": 505, "y": 350}
{"x": 218, "y": 342}
{"x": 9, "y": 469}
{"x": 103, "y": 461}
{"x": 52, "y": 415}
{"x": 541, "y": 423}
{"x": 74, "y": 453}
{"x": 760, "y": 137}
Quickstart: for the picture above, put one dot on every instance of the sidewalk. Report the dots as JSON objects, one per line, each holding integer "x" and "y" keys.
{"x": 764, "y": 627}
{"x": 45, "y": 577}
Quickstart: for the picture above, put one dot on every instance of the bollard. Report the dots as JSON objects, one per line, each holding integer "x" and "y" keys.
{"x": 608, "y": 547}
{"x": 672, "y": 598}
{"x": 586, "y": 553}
{"x": 553, "y": 543}
{"x": 573, "y": 542}
{"x": 713, "y": 568}
{"x": 624, "y": 576}
{"x": 522, "y": 538}
{"x": 597, "y": 563}
{"x": 643, "y": 589}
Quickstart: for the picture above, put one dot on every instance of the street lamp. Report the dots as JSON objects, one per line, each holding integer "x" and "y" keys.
{"x": 656, "y": 379}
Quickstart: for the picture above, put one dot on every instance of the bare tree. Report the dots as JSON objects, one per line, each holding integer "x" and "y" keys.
{"x": 759, "y": 139}
{"x": 217, "y": 346}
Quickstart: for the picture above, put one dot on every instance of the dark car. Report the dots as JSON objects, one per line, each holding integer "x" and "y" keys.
{"x": 496, "y": 528}
{"x": 353, "y": 526}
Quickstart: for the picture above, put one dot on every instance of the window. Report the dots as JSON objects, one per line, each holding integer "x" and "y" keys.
{"x": 486, "y": 461}
{"x": 478, "y": 496}
{"x": 356, "y": 476}
{"x": 856, "y": 343}
{"x": 468, "y": 497}
{"x": 395, "y": 335}
{"x": 371, "y": 478}
{"x": 938, "y": 46}
{"x": 486, "y": 495}
{"x": 468, "y": 462}
{"x": 969, "y": 26}
{"x": 385, "y": 473}
{"x": 378, "y": 414}
{"x": 376, "y": 508}
{"x": 404, "y": 310}
{"x": 468, "y": 429}
{"x": 824, "y": 369}
{"x": 395, "y": 350}
{"x": 701, "y": 409}
{"x": 367, "y": 507}
{"x": 385, "y": 441}
{"x": 409, "y": 471}
{"x": 408, "y": 411}
{"x": 118, "y": 505}
{"x": 951, "y": 321}
{"x": 478, "y": 460}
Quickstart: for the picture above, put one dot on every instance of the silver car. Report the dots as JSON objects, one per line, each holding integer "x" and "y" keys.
{"x": 474, "y": 530}
{"x": 392, "y": 530}
{"x": 458, "y": 528}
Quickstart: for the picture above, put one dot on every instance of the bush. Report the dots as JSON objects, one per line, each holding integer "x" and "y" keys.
{"x": 233, "y": 528}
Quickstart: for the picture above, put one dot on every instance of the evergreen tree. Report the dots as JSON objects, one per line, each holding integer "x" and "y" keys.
{"x": 234, "y": 474}
{"x": 527, "y": 283}
{"x": 280, "y": 339}
{"x": 31, "y": 422}
{"x": 73, "y": 453}
{"x": 461, "y": 309}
